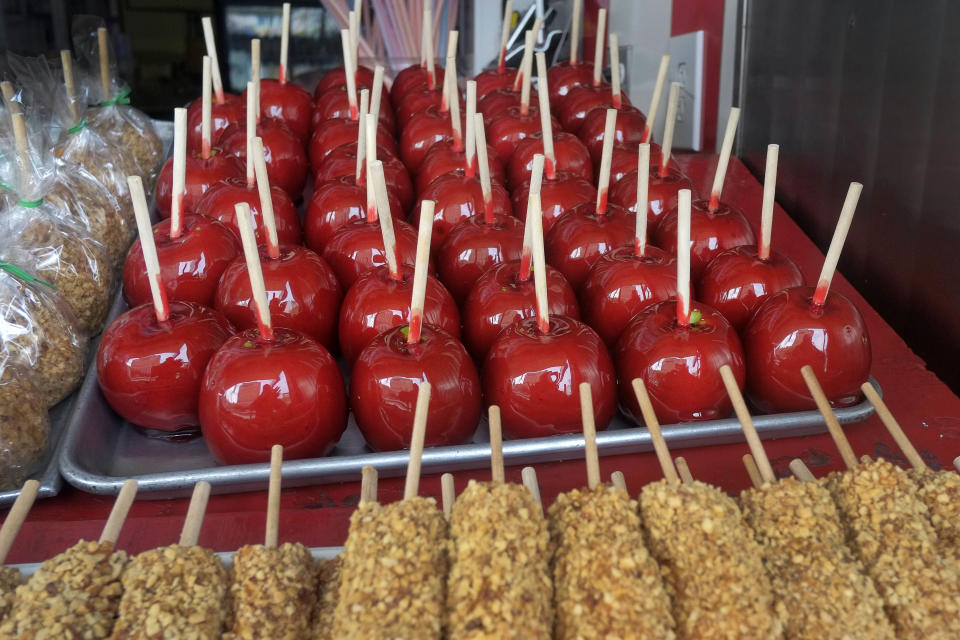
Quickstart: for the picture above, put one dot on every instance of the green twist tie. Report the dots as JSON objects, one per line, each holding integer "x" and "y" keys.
{"x": 31, "y": 204}
{"x": 121, "y": 98}
{"x": 17, "y": 272}
{"x": 79, "y": 126}
{"x": 5, "y": 186}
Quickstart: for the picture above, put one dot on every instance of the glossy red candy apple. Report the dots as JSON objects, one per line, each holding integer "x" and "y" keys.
{"x": 500, "y": 298}
{"x": 418, "y": 100}
{"x": 662, "y": 189}
{"x": 357, "y": 247}
{"x": 558, "y": 196}
{"x": 534, "y": 377}
{"x": 711, "y": 233}
{"x": 386, "y": 380}
{"x": 336, "y": 203}
{"x": 578, "y": 239}
{"x": 680, "y": 365}
{"x": 475, "y": 245}
{"x": 423, "y": 130}
{"x": 573, "y": 109}
{"x": 138, "y": 374}
{"x": 342, "y": 161}
{"x": 507, "y": 129}
{"x": 629, "y": 132}
{"x": 622, "y": 284}
{"x": 498, "y": 101}
{"x": 336, "y": 104}
{"x": 233, "y": 110}
{"x": 287, "y": 102}
{"x": 258, "y": 393}
{"x": 444, "y": 158}
{"x": 283, "y": 150}
{"x": 624, "y": 160}
{"x": 190, "y": 265}
{"x": 411, "y": 78}
{"x": 737, "y": 281}
{"x": 302, "y": 292}
{"x": 457, "y": 198}
{"x": 572, "y": 157}
{"x": 376, "y": 302}
{"x": 201, "y": 174}
{"x": 336, "y": 78}
{"x": 492, "y": 79}
{"x": 220, "y": 202}
{"x": 331, "y": 134}
{"x": 787, "y": 332}
{"x": 564, "y": 76}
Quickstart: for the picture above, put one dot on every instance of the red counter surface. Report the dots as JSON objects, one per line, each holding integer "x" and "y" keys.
{"x": 318, "y": 516}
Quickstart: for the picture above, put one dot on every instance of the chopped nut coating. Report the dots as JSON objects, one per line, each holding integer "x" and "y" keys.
{"x": 328, "y": 589}
{"x": 940, "y": 491}
{"x": 499, "y": 584}
{"x": 10, "y": 579}
{"x": 607, "y": 585}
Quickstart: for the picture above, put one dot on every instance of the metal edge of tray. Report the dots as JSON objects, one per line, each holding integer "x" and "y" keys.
{"x": 296, "y": 473}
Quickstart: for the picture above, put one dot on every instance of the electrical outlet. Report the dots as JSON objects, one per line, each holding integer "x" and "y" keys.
{"x": 686, "y": 67}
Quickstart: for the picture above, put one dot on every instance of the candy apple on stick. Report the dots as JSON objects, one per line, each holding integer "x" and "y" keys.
{"x": 738, "y": 280}
{"x": 380, "y": 298}
{"x": 498, "y": 77}
{"x": 677, "y": 348}
{"x": 588, "y": 231}
{"x": 625, "y": 156}
{"x": 138, "y": 378}
{"x": 423, "y": 74}
{"x": 426, "y": 95}
{"x": 270, "y": 385}
{"x": 281, "y": 99}
{"x": 226, "y": 108}
{"x": 302, "y": 291}
{"x": 566, "y": 75}
{"x": 386, "y": 376}
{"x": 535, "y": 365}
{"x": 716, "y": 226}
{"x": 809, "y": 326}
{"x": 627, "y": 280}
{"x": 495, "y": 102}
{"x": 337, "y": 77}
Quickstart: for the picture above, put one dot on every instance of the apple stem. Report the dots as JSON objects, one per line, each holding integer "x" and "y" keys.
{"x": 606, "y": 159}
{"x": 350, "y": 71}
{"x": 769, "y": 193}
{"x": 683, "y": 257}
{"x": 728, "y": 137}
{"x": 470, "y": 135}
{"x": 254, "y": 270}
{"x": 179, "y": 171}
{"x": 543, "y": 94}
{"x": 427, "y": 44}
{"x": 616, "y": 98}
{"x": 424, "y": 234}
{"x": 379, "y": 184}
{"x": 504, "y": 36}
{"x": 255, "y": 74}
{"x": 284, "y": 42}
{"x": 575, "y": 32}
{"x": 669, "y": 126}
{"x": 529, "y": 41}
{"x": 453, "y": 94}
{"x": 411, "y": 485}
{"x": 483, "y": 164}
{"x": 215, "y": 63}
{"x": 266, "y": 200}
{"x": 361, "y": 137}
{"x": 539, "y": 263}
{"x": 590, "y": 452}
{"x": 149, "y": 248}
{"x": 643, "y": 190}
{"x": 251, "y": 133}
{"x": 836, "y": 244}
{"x": 536, "y": 183}
{"x": 370, "y": 123}
{"x": 655, "y": 100}
{"x": 206, "y": 112}
{"x": 598, "y": 48}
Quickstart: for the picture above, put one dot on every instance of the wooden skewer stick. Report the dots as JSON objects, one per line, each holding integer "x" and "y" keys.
{"x": 683, "y": 257}
{"x": 800, "y": 471}
{"x": 8, "y": 97}
{"x": 447, "y": 93}
{"x": 179, "y": 188}
{"x": 254, "y": 270}
{"x": 190, "y": 533}
{"x": 358, "y": 175}
{"x": 546, "y": 126}
{"x": 672, "y": 104}
{"x": 836, "y": 244}
{"x": 539, "y": 263}
{"x": 255, "y": 74}
{"x": 683, "y": 469}
{"x": 206, "y": 111}
{"x": 655, "y": 100}
{"x": 453, "y": 94}
{"x": 643, "y": 199}
{"x": 103, "y": 44}
{"x": 376, "y": 91}
{"x": 656, "y": 435}
{"x": 448, "y": 494}
{"x": 589, "y": 435}
{"x": 16, "y": 517}
{"x": 496, "y": 444}
{"x": 529, "y": 477}
{"x": 606, "y": 159}
{"x": 956, "y": 463}
{"x": 470, "y": 135}
{"x": 483, "y": 165}
{"x": 536, "y": 183}
{"x": 386, "y": 220}
{"x": 412, "y": 486}
{"x": 158, "y": 291}
{"x": 349, "y": 72}
{"x": 598, "y": 47}
{"x": 618, "y": 480}
{"x": 616, "y": 98}
{"x": 68, "y": 82}
{"x": 886, "y": 417}
{"x": 752, "y": 470}
{"x": 368, "y": 484}
{"x": 353, "y": 25}
{"x": 769, "y": 194}
{"x": 212, "y": 53}
{"x": 728, "y": 137}
{"x": 284, "y": 42}
{"x": 833, "y": 425}
{"x": 23, "y": 146}
{"x": 428, "y": 45}
{"x": 251, "y": 132}
{"x": 531, "y": 37}
{"x": 526, "y": 61}
{"x": 271, "y": 536}
{"x": 118, "y": 514}
{"x": 746, "y": 423}
{"x": 425, "y": 233}
{"x": 575, "y": 32}
{"x": 504, "y": 36}
{"x": 370, "y": 122}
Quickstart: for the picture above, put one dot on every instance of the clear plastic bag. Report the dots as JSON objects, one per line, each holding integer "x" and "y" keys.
{"x": 107, "y": 162}
{"x": 24, "y": 435}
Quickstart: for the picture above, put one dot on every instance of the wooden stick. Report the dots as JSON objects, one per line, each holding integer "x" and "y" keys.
{"x": 377, "y": 91}
{"x": 746, "y": 423}
{"x": 615, "y": 71}
{"x": 448, "y": 494}
{"x": 179, "y": 171}
{"x": 8, "y": 96}
{"x": 496, "y": 444}
{"x": 529, "y": 41}
{"x": 536, "y": 182}
{"x": 453, "y": 37}
{"x": 539, "y": 262}
{"x": 67, "y": 61}
{"x": 212, "y": 53}
{"x": 800, "y": 471}
{"x": 284, "y": 42}
{"x": 370, "y": 123}
{"x": 769, "y": 194}
{"x": 424, "y": 34}
{"x": 425, "y": 232}
{"x": 368, "y": 484}
{"x": 206, "y": 111}
{"x": 643, "y": 199}
{"x": 751, "y": 465}
{"x": 836, "y": 244}
{"x": 483, "y": 164}
{"x": 618, "y": 480}
{"x": 728, "y": 137}
{"x": 598, "y": 47}
{"x": 655, "y": 100}
{"x": 350, "y": 72}
{"x": 255, "y": 74}
{"x": 529, "y": 478}
{"x": 428, "y": 45}
{"x": 254, "y": 270}
{"x": 606, "y": 159}
{"x": 141, "y": 212}
{"x": 504, "y": 36}
{"x": 251, "y": 132}
{"x": 412, "y": 486}
{"x": 672, "y": 103}
{"x": 361, "y": 137}
{"x": 103, "y": 43}
{"x": 683, "y": 257}
{"x": 118, "y": 514}
{"x": 526, "y": 61}
{"x": 16, "y": 517}
{"x": 546, "y": 126}
{"x": 656, "y": 435}
{"x": 589, "y": 435}
{"x": 23, "y": 146}
{"x": 833, "y": 425}
{"x": 453, "y": 94}
{"x": 886, "y": 417}
{"x": 271, "y": 535}
{"x": 386, "y": 220}
{"x": 956, "y": 463}
{"x": 195, "y": 513}
{"x": 353, "y": 26}
{"x": 470, "y": 135}
{"x": 575, "y": 32}
{"x": 683, "y": 470}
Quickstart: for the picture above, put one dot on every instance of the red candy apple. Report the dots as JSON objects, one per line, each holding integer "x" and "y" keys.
{"x": 572, "y": 158}
{"x": 629, "y": 131}
{"x": 498, "y": 101}
{"x": 663, "y": 190}
{"x": 286, "y": 159}
{"x": 423, "y": 130}
{"x": 201, "y": 174}
{"x": 331, "y": 134}
{"x": 624, "y": 160}
{"x": 336, "y": 203}
{"x": 578, "y": 239}
{"x": 342, "y": 161}
{"x": 557, "y": 196}
{"x": 417, "y": 101}
{"x": 336, "y": 78}
{"x": 473, "y": 247}
{"x": 564, "y": 76}
{"x": 220, "y": 202}
{"x": 573, "y": 109}
{"x": 490, "y": 80}
{"x": 289, "y": 103}
{"x": 511, "y": 126}
{"x": 232, "y": 110}
{"x": 444, "y": 158}
{"x": 457, "y": 198}
{"x": 411, "y": 78}
{"x": 336, "y": 104}
{"x": 712, "y": 232}
{"x": 357, "y": 247}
